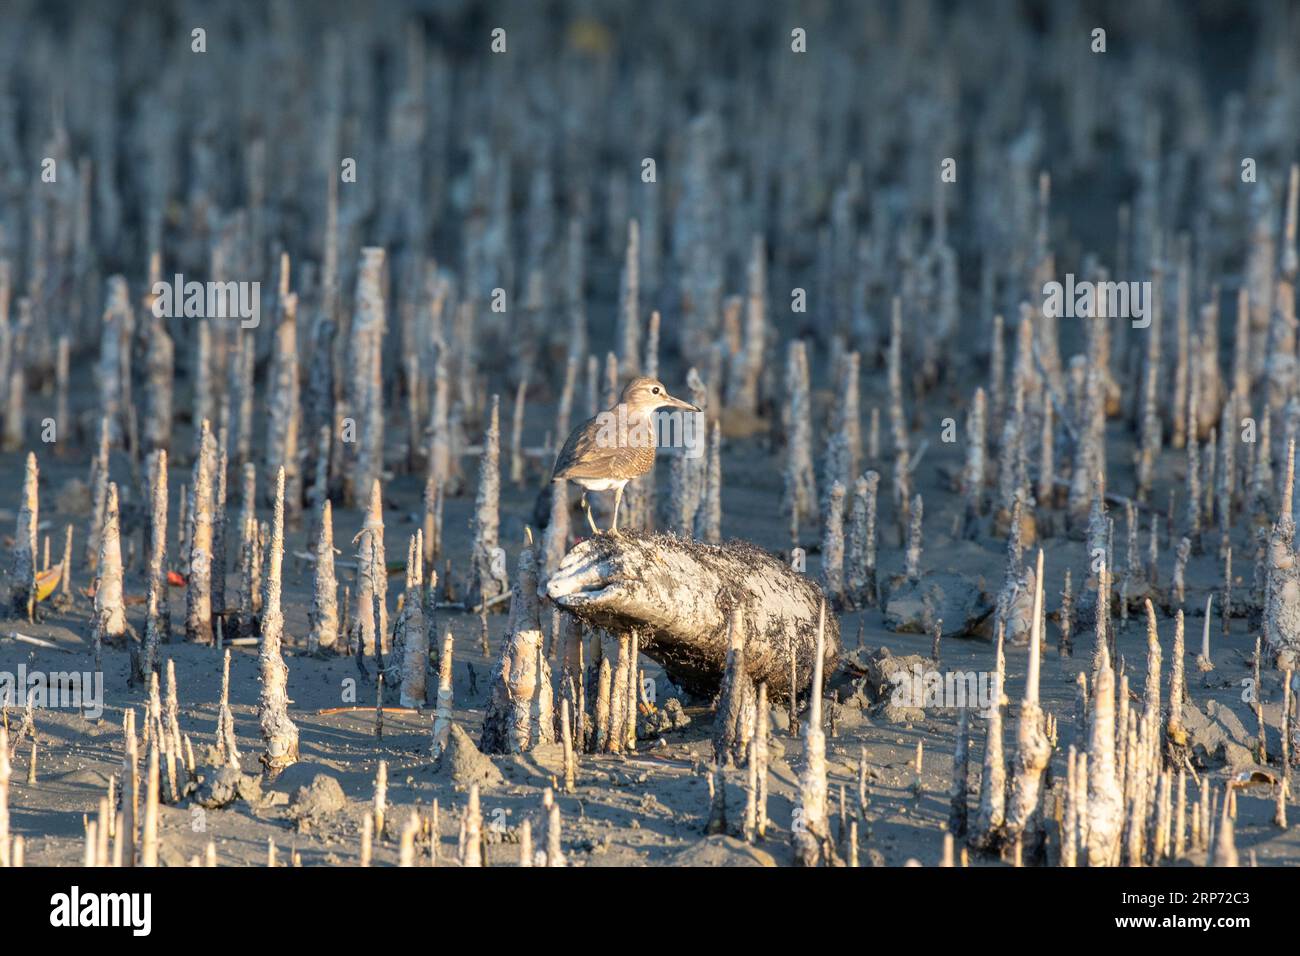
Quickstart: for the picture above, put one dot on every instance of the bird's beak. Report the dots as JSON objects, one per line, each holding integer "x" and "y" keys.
{"x": 672, "y": 402}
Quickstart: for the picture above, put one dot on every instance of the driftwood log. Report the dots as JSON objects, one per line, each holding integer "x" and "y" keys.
{"x": 678, "y": 595}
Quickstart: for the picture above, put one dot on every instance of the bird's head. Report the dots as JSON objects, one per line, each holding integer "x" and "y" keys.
{"x": 647, "y": 394}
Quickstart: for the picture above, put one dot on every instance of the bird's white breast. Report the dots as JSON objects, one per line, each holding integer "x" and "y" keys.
{"x": 599, "y": 484}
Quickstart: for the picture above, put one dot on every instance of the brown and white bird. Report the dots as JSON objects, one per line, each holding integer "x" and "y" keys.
{"x": 617, "y": 445}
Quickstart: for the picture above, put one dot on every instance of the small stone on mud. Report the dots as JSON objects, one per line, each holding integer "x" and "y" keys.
{"x": 217, "y": 787}
{"x": 318, "y": 799}
{"x": 913, "y": 607}
{"x": 671, "y": 716}
{"x": 464, "y": 764}
{"x": 1217, "y": 737}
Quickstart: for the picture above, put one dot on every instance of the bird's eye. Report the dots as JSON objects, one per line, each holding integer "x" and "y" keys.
{"x": 655, "y": 390}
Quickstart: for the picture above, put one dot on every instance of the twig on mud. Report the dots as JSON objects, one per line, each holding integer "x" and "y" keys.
{"x": 920, "y": 453}
{"x": 36, "y": 642}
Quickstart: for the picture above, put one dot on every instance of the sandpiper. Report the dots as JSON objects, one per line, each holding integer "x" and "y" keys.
{"x": 608, "y": 451}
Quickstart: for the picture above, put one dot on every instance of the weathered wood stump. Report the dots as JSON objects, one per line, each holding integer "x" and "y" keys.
{"x": 678, "y": 595}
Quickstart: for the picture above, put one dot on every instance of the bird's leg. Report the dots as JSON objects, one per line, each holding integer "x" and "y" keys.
{"x": 586, "y": 506}
{"x": 618, "y": 497}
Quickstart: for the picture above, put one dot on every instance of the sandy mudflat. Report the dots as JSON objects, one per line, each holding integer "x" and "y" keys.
{"x": 792, "y": 177}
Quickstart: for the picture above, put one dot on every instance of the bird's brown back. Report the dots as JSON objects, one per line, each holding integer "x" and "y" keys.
{"x": 586, "y": 455}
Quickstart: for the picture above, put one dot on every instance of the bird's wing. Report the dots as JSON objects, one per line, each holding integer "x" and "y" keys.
{"x": 584, "y": 455}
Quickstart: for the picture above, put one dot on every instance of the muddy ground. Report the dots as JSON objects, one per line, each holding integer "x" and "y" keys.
{"x": 835, "y": 159}
{"x": 650, "y": 807}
